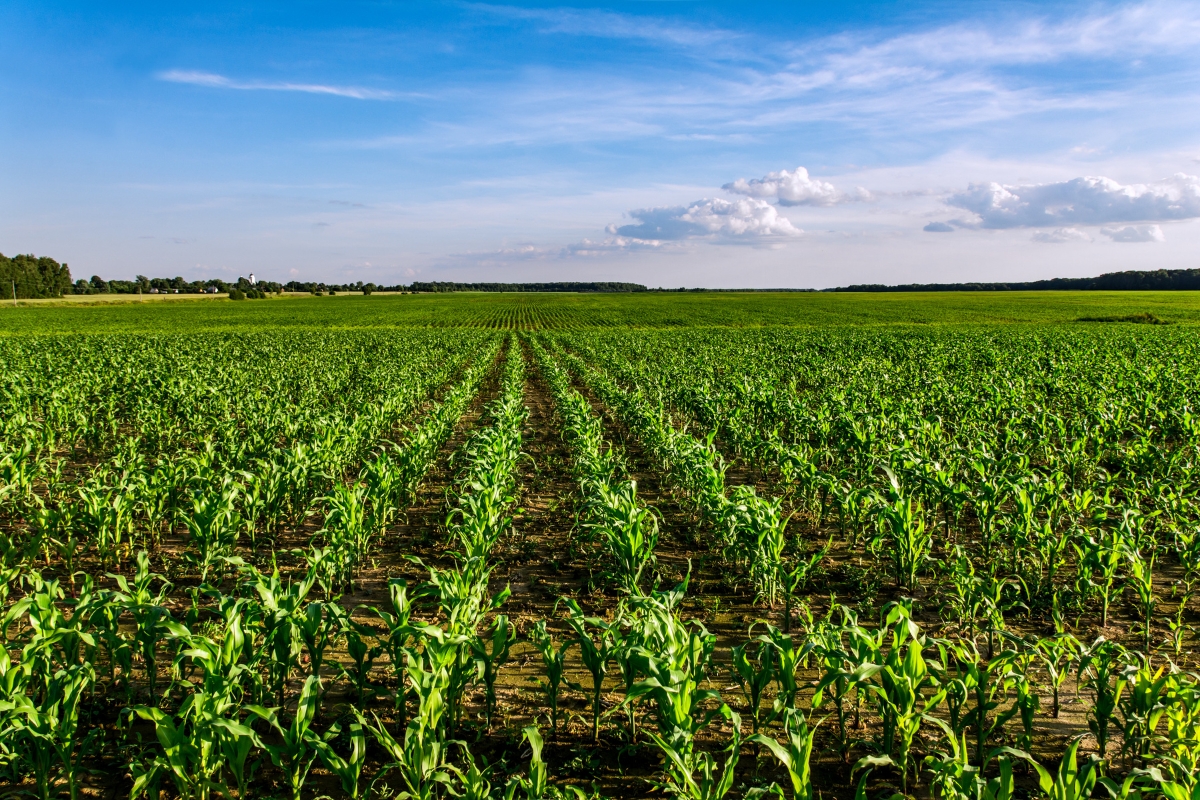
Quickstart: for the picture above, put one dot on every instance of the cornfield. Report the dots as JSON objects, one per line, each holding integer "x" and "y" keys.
{"x": 523, "y": 553}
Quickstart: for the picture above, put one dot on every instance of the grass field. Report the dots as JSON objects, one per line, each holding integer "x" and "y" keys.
{"x": 564, "y": 546}
{"x": 575, "y": 311}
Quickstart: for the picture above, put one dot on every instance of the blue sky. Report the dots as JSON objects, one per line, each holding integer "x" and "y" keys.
{"x": 670, "y": 143}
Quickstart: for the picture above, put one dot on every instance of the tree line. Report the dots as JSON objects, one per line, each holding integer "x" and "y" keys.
{"x": 1129, "y": 280}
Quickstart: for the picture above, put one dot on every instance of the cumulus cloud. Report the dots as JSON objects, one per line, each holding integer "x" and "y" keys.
{"x": 1061, "y": 235}
{"x": 938, "y": 227}
{"x": 1135, "y": 233}
{"x": 795, "y": 188}
{"x": 1081, "y": 201}
{"x": 746, "y": 218}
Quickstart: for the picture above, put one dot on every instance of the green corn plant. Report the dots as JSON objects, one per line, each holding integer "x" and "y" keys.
{"x": 1069, "y": 782}
{"x": 537, "y": 785}
{"x": 754, "y": 673}
{"x": 676, "y": 660}
{"x": 554, "y": 661}
{"x": 789, "y": 652}
{"x": 985, "y": 682}
{"x": 902, "y": 528}
{"x": 795, "y": 577}
{"x": 282, "y": 607}
{"x": 838, "y": 667}
{"x": 473, "y": 783}
{"x": 1141, "y": 582}
{"x": 213, "y": 525}
{"x": 1182, "y": 744}
{"x": 490, "y": 654}
{"x": 795, "y": 753}
{"x": 693, "y": 775}
{"x": 900, "y": 685}
{"x": 596, "y": 652}
{"x": 630, "y": 531}
{"x": 1141, "y": 709}
{"x": 348, "y": 768}
{"x": 149, "y": 612}
{"x": 1057, "y": 654}
{"x": 398, "y": 634}
{"x": 955, "y": 778}
{"x": 362, "y": 659}
{"x": 1100, "y": 671}
{"x": 298, "y": 744}
{"x": 420, "y": 757}
{"x": 1100, "y": 558}
{"x": 759, "y": 538}
{"x": 50, "y": 731}
{"x": 1026, "y": 699}
{"x": 206, "y": 737}
{"x": 347, "y": 532}
{"x": 320, "y": 627}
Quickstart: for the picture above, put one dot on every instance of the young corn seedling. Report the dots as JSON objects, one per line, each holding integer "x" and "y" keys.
{"x": 1026, "y": 700}
{"x": 909, "y": 542}
{"x": 596, "y": 651}
{"x": 754, "y": 673}
{"x": 298, "y": 743}
{"x": 362, "y": 657}
{"x": 795, "y": 752}
{"x": 554, "y": 660}
{"x": 985, "y": 682}
{"x": 1140, "y": 710}
{"x": 490, "y": 654}
{"x": 1141, "y": 582}
{"x": 1101, "y": 672}
{"x": 630, "y": 531}
{"x": 1182, "y": 745}
{"x": 1070, "y": 782}
{"x": 50, "y": 730}
{"x": 954, "y": 777}
{"x": 900, "y": 685}
{"x": 347, "y": 768}
{"x": 795, "y": 577}
{"x": 693, "y": 775}
{"x": 399, "y": 632}
{"x": 148, "y": 610}
{"x": 1100, "y": 558}
{"x": 320, "y": 627}
{"x": 1057, "y": 654}
{"x": 789, "y": 652}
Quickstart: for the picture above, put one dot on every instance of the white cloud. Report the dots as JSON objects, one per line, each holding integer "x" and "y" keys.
{"x": 746, "y": 218}
{"x": 794, "y": 188}
{"x": 1135, "y": 233}
{"x": 215, "y": 81}
{"x": 938, "y": 227}
{"x": 1083, "y": 201}
{"x": 1061, "y": 235}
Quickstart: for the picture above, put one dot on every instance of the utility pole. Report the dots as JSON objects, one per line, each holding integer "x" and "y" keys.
{"x": 14, "y": 285}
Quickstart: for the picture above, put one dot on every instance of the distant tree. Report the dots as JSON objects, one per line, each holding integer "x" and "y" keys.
{"x": 30, "y": 277}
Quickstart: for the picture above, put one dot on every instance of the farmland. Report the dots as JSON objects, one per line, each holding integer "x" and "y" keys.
{"x": 540, "y": 546}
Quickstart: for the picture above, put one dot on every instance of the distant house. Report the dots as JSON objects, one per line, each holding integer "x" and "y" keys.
{"x": 210, "y": 290}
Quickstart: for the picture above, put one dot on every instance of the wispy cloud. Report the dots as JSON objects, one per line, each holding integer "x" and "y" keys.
{"x": 611, "y": 25}
{"x": 215, "y": 81}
